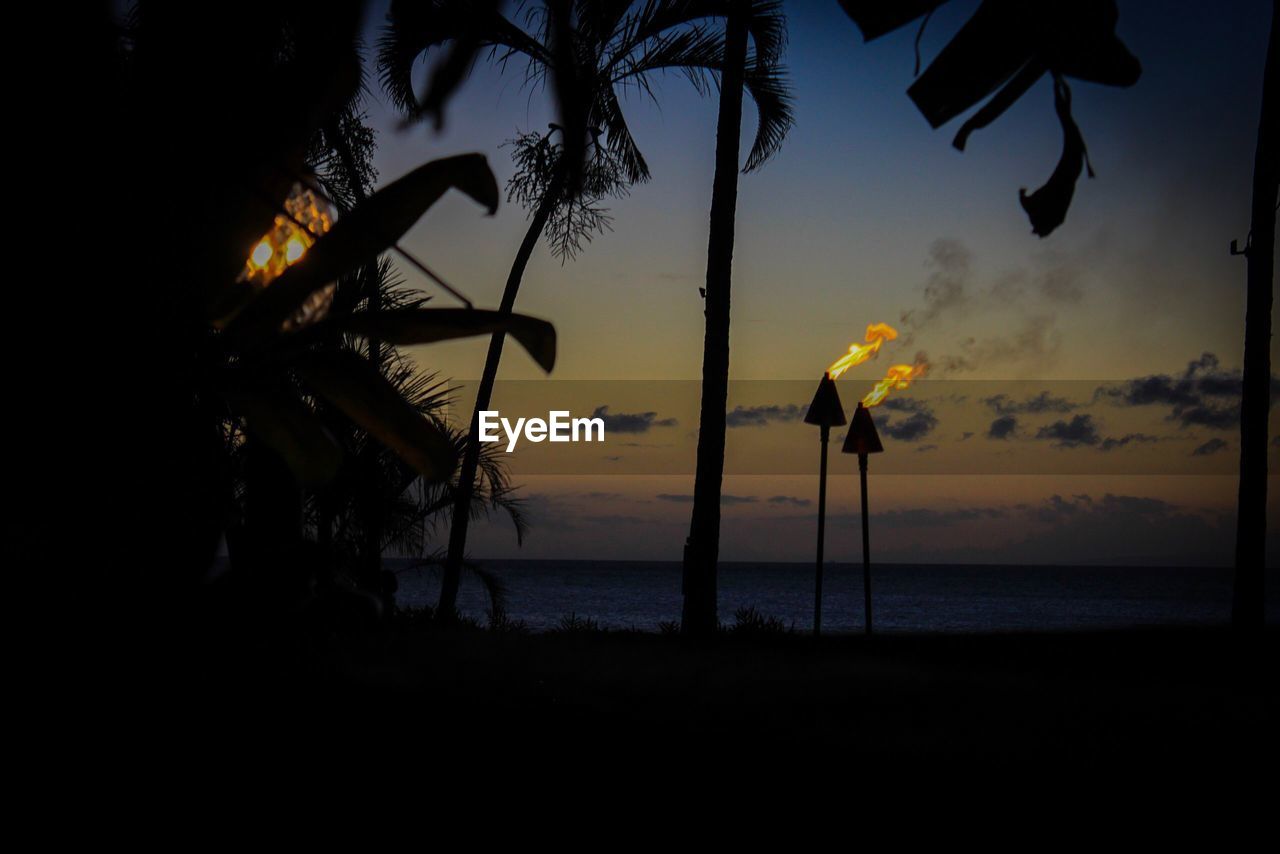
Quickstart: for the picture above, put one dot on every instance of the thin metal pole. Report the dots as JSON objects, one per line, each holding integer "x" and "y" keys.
{"x": 866, "y": 543}
{"x": 822, "y": 532}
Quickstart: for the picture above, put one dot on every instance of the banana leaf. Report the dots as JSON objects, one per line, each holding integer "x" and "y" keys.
{"x": 404, "y": 327}
{"x": 875, "y": 18}
{"x": 1005, "y": 48}
{"x": 285, "y": 424}
{"x": 359, "y": 391}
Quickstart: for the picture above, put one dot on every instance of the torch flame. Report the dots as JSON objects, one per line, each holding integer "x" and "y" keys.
{"x": 877, "y": 334}
{"x": 309, "y": 216}
{"x": 898, "y": 377}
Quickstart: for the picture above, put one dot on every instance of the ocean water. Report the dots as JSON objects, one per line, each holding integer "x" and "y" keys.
{"x": 905, "y": 598}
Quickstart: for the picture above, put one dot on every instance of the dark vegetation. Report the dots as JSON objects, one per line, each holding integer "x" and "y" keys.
{"x": 282, "y": 417}
{"x": 1151, "y": 702}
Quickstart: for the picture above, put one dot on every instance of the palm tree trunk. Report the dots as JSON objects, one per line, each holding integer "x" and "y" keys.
{"x": 1251, "y": 520}
{"x": 447, "y": 606}
{"x": 702, "y": 549}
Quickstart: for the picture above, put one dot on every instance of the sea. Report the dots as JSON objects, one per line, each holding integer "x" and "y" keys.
{"x": 642, "y": 595}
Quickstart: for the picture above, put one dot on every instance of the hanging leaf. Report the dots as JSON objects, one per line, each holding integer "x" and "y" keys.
{"x": 360, "y": 391}
{"x": 1047, "y": 206}
{"x": 1008, "y": 45}
{"x": 366, "y": 232}
{"x": 425, "y": 325}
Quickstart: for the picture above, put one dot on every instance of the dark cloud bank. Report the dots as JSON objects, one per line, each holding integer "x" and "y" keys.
{"x": 631, "y": 422}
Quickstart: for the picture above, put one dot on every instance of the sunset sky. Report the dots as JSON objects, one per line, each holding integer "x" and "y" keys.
{"x": 868, "y": 215}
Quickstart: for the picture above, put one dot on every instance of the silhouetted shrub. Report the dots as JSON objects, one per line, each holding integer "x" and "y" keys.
{"x": 500, "y": 623}
{"x": 749, "y": 621}
{"x": 572, "y": 624}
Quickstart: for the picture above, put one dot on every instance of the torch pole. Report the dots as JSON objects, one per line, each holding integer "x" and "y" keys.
{"x": 822, "y": 532}
{"x": 866, "y": 543}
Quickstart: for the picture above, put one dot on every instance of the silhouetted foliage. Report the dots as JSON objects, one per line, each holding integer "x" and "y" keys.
{"x": 590, "y": 53}
{"x": 574, "y": 217}
{"x": 749, "y": 622}
{"x": 500, "y": 623}
{"x": 254, "y": 105}
{"x": 1008, "y": 45}
{"x": 572, "y": 624}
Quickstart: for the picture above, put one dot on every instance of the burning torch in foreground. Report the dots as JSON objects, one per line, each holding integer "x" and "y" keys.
{"x": 862, "y": 439}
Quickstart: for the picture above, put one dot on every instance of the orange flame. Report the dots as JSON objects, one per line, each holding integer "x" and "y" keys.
{"x": 877, "y": 334}
{"x": 309, "y": 216}
{"x": 898, "y": 377}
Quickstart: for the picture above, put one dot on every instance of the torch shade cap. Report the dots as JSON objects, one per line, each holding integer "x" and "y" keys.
{"x": 826, "y": 411}
{"x": 862, "y": 437}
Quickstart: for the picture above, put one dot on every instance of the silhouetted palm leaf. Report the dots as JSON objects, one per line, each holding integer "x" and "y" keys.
{"x": 426, "y": 325}
{"x": 274, "y": 414}
{"x": 356, "y": 388}
{"x": 615, "y": 45}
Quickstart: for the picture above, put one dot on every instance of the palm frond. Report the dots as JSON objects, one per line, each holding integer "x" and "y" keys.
{"x": 416, "y": 30}
{"x": 766, "y": 83}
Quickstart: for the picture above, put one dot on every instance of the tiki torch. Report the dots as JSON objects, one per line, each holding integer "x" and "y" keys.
{"x": 863, "y": 440}
{"x": 826, "y": 412}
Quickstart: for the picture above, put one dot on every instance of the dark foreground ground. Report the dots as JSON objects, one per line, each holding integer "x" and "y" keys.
{"x": 1141, "y": 700}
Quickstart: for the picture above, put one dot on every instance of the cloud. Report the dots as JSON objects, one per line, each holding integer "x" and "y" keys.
{"x": 1004, "y": 427}
{"x": 790, "y": 500}
{"x": 1056, "y": 508}
{"x": 919, "y": 423}
{"x": 1113, "y": 529}
{"x": 725, "y": 499}
{"x": 617, "y": 519}
{"x": 926, "y": 517}
{"x": 631, "y": 422}
{"x": 905, "y": 404}
{"x": 913, "y": 428}
{"x": 1204, "y": 395}
{"x": 1071, "y": 434}
{"x": 1111, "y": 443}
{"x": 1041, "y": 404}
{"x": 759, "y": 416}
{"x": 1210, "y": 447}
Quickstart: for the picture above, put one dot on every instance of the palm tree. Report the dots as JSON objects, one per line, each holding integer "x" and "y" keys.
{"x": 765, "y": 23}
{"x": 1248, "y": 609}
{"x": 591, "y": 51}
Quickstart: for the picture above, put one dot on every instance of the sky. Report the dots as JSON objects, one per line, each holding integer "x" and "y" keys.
{"x": 1069, "y": 415}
